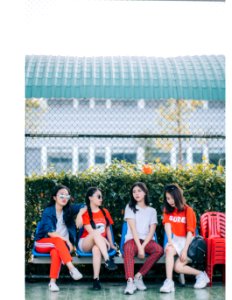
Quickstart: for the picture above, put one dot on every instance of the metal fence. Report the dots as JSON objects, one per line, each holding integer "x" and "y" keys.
{"x": 73, "y": 134}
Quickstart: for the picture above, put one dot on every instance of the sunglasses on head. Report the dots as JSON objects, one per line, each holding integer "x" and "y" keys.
{"x": 62, "y": 196}
{"x": 170, "y": 188}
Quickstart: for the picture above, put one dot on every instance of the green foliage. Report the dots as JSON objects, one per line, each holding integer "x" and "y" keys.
{"x": 203, "y": 185}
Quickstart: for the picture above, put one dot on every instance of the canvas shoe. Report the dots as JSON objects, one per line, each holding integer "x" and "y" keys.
{"x": 140, "y": 284}
{"x": 75, "y": 274}
{"x": 96, "y": 284}
{"x": 201, "y": 281}
{"x": 130, "y": 287}
{"x": 110, "y": 265}
{"x": 168, "y": 286}
{"x": 53, "y": 287}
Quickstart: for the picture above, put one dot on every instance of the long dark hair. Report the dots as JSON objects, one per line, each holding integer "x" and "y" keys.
{"x": 90, "y": 193}
{"x": 67, "y": 208}
{"x": 177, "y": 193}
{"x": 133, "y": 202}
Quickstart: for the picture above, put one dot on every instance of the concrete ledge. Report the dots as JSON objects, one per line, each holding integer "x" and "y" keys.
{"x": 88, "y": 260}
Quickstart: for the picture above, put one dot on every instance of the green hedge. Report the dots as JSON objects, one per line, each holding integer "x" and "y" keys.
{"x": 203, "y": 185}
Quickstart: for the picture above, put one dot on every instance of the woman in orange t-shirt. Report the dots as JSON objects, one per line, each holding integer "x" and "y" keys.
{"x": 96, "y": 236}
{"x": 179, "y": 222}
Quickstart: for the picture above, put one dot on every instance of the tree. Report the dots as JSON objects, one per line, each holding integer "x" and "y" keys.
{"x": 34, "y": 110}
{"x": 174, "y": 118}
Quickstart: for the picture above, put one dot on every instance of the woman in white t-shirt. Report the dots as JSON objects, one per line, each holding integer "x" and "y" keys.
{"x": 142, "y": 220}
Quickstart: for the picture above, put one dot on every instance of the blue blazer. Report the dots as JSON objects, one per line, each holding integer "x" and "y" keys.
{"x": 49, "y": 220}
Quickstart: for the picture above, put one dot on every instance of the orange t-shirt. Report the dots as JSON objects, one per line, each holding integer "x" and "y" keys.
{"x": 182, "y": 221}
{"x": 99, "y": 220}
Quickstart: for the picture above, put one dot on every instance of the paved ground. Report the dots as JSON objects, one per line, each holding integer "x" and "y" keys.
{"x": 114, "y": 291}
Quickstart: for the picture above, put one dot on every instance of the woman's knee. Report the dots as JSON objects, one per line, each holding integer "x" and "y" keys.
{"x": 170, "y": 251}
{"x": 58, "y": 240}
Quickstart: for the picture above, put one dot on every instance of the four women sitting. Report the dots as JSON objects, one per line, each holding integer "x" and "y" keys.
{"x": 57, "y": 235}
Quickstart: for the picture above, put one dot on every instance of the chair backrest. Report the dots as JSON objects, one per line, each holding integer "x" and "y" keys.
{"x": 123, "y": 235}
{"x": 213, "y": 224}
{"x": 38, "y": 227}
{"x": 34, "y": 252}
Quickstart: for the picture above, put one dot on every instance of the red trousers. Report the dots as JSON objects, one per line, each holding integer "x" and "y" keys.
{"x": 58, "y": 250}
{"x": 154, "y": 250}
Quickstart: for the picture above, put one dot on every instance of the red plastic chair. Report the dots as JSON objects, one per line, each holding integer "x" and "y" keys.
{"x": 213, "y": 229}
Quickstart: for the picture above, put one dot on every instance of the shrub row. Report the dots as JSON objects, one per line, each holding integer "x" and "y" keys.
{"x": 203, "y": 185}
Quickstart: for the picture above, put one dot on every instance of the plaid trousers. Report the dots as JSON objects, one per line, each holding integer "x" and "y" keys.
{"x": 154, "y": 250}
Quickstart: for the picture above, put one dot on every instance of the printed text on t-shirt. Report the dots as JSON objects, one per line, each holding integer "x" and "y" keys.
{"x": 177, "y": 219}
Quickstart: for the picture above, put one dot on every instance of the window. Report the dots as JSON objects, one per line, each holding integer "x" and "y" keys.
{"x": 59, "y": 161}
{"x": 216, "y": 104}
{"x": 124, "y": 103}
{"x": 217, "y": 158}
{"x": 129, "y": 157}
{"x": 60, "y": 103}
{"x": 181, "y": 160}
{"x": 32, "y": 161}
{"x": 84, "y": 103}
{"x": 197, "y": 157}
{"x": 83, "y": 160}
{"x": 151, "y": 156}
{"x": 99, "y": 156}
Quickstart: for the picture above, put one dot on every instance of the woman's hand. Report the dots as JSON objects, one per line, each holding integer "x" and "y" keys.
{"x": 183, "y": 255}
{"x": 141, "y": 253}
{"x": 170, "y": 244}
{"x": 70, "y": 245}
{"x": 112, "y": 246}
{"x": 79, "y": 222}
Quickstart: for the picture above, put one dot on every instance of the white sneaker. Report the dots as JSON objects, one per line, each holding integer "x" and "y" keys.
{"x": 201, "y": 281}
{"x": 168, "y": 286}
{"x": 75, "y": 274}
{"x": 140, "y": 284}
{"x": 53, "y": 287}
{"x": 130, "y": 287}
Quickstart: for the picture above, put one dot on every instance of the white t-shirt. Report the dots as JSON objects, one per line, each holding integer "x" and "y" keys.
{"x": 143, "y": 217}
{"x": 61, "y": 228}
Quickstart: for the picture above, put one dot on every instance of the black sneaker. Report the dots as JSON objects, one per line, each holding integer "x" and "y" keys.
{"x": 96, "y": 284}
{"x": 110, "y": 265}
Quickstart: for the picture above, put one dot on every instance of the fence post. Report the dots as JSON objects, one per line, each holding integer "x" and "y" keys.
{"x": 140, "y": 156}
{"x": 44, "y": 160}
{"x": 75, "y": 159}
{"x": 108, "y": 155}
{"x": 189, "y": 154}
{"x": 91, "y": 155}
{"x": 173, "y": 156}
{"x": 206, "y": 152}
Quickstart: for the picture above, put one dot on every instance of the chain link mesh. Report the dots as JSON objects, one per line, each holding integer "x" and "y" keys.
{"x": 72, "y": 135}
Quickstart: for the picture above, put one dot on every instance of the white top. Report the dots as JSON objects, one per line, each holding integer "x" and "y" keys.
{"x": 143, "y": 217}
{"x": 61, "y": 228}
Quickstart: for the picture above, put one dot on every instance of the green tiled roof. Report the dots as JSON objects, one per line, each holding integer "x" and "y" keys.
{"x": 129, "y": 78}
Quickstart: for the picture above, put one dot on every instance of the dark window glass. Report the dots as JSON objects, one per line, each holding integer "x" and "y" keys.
{"x": 129, "y": 157}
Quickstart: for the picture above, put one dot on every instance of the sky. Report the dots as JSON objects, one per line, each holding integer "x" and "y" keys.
{"x": 91, "y": 28}
{"x": 108, "y": 28}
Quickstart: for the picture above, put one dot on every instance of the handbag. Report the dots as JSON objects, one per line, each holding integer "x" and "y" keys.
{"x": 197, "y": 250}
